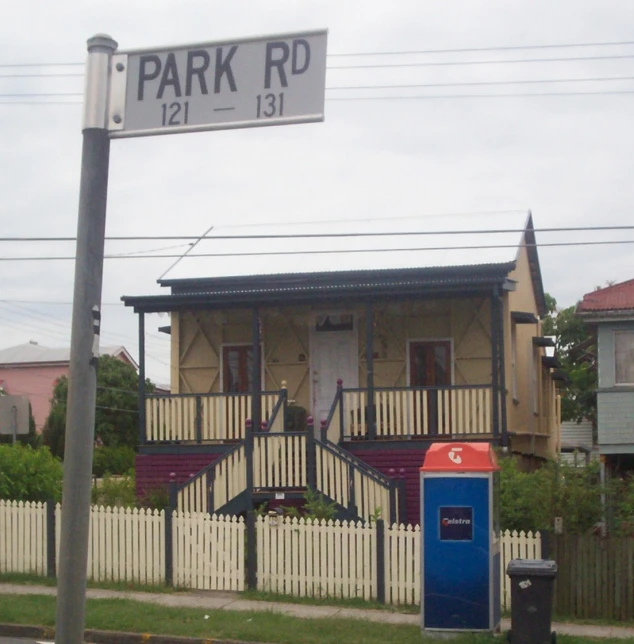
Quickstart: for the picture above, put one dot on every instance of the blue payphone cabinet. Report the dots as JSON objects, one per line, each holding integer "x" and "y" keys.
{"x": 460, "y": 558}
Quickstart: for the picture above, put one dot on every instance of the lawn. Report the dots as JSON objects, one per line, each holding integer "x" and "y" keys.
{"x": 131, "y": 616}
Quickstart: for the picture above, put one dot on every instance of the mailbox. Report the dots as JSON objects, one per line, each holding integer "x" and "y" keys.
{"x": 460, "y": 558}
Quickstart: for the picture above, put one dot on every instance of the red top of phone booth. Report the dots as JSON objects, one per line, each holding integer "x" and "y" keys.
{"x": 460, "y": 457}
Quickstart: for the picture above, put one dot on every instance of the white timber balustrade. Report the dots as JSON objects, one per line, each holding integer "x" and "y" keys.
{"x": 412, "y": 412}
{"x": 202, "y": 417}
{"x": 279, "y": 461}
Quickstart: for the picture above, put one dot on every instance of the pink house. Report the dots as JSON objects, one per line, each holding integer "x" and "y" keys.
{"x": 32, "y": 370}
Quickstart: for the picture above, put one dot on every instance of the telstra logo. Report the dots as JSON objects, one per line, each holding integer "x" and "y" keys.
{"x": 447, "y": 521}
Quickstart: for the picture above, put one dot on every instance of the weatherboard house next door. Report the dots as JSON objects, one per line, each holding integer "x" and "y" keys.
{"x": 385, "y": 362}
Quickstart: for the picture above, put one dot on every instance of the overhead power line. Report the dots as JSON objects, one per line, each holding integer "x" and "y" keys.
{"x": 326, "y": 252}
{"x": 596, "y": 79}
{"x": 483, "y": 83}
{"x": 454, "y": 96}
{"x": 395, "y": 98}
{"x": 410, "y": 52}
{"x": 464, "y": 50}
{"x": 501, "y": 61}
{"x": 389, "y": 233}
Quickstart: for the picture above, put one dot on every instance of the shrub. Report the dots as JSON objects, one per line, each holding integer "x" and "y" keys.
{"x": 155, "y": 498}
{"x": 112, "y": 460}
{"x": 316, "y": 506}
{"x": 531, "y": 501}
{"x": 28, "y": 474}
{"x": 113, "y": 492}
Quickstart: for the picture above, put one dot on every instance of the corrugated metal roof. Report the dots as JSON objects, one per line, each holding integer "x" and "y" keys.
{"x": 618, "y": 297}
{"x": 308, "y": 286}
{"x": 32, "y": 353}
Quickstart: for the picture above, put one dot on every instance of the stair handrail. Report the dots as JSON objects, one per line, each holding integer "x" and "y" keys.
{"x": 358, "y": 464}
{"x": 204, "y": 471}
{"x": 281, "y": 403}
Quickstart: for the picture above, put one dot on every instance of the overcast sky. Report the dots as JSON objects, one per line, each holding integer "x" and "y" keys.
{"x": 394, "y": 162}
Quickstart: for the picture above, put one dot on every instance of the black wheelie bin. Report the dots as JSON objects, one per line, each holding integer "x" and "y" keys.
{"x": 532, "y": 586}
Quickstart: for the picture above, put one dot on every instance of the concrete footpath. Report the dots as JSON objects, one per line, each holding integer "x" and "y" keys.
{"x": 212, "y": 600}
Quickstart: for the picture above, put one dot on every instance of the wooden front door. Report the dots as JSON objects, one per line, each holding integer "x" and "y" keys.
{"x": 430, "y": 363}
{"x": 430, "y": 366}
{"x": 237, "y": 368}
{"x": 334, "y": 354}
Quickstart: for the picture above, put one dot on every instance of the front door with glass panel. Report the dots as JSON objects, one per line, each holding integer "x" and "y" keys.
{"x": 237, "y": 368}
{"x": 430, "y": 366}
{"x": 334, "y": 354}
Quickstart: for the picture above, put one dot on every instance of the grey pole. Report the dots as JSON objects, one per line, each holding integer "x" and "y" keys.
{"x": 14, "y": 423}
{"x": 84, "y": 352}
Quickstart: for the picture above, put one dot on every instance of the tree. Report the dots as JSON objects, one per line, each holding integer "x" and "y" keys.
{"x": 577, "y": 354}
{"x": 116, "y": 417}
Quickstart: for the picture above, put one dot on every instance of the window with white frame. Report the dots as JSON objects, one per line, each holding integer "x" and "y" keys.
{"x": 624, "y": 357}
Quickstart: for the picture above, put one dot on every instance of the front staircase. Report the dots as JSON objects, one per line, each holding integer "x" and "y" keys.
{"x": 270, "y": 464}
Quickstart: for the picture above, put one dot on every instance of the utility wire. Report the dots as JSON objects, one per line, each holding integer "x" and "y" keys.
{"x": 483, "y": 83}
{"x": 46, "y": 75}
{"x": 397, "y": 53}
{"x": 463, "y": 96}
{"x": 474, "y": 49}
{"x": 597, "y": 79}
{"x": 331, "y": 251}
{"x": 450, "y": 63}
{"x": 470, "y": 213}
{"x": 490, "y": 231}
{"x": 392, "y": 98}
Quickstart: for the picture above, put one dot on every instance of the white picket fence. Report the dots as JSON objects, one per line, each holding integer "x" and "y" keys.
{"x": 209, "y": 551}
{"x": 23, "y": 537}
{"x": 124, "y": 544}
{"x": 295, "y": 556}
{"x": 316, "y": 558}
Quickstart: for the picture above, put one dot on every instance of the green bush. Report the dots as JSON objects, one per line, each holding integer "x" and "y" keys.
{"x": 28, "y": 474}
{"x": 315, "y": 506}
{"x": 112, "y": 460}
{"x": 620, "y": 499}
{"x": 113, "y": 492}
{"x": 155, "y": 498}
{"x": 531, "y": 501}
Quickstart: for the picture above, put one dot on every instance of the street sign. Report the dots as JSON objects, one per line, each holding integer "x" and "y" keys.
{"x": 269, "y": 80}
{"x": 14, "y": 415}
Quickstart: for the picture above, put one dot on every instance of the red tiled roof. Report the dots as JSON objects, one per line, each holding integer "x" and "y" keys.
{"x": 618, "y": 297}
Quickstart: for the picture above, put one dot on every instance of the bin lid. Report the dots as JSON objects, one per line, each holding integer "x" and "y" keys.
{"x": 460, "y": 457}
{"x": 532, "y": 567}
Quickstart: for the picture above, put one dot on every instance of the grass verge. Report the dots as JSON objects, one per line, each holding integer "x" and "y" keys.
{"x": 131, "y": 616}
{"x": 328, "y": 601}
{"x": 36, "y": 580}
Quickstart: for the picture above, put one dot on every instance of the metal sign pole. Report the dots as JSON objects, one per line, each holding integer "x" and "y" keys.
{"x": 14, "y": 423}
{"x": 82, "y": 382}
